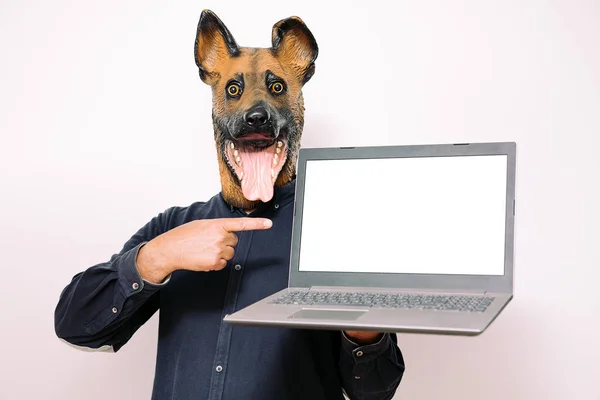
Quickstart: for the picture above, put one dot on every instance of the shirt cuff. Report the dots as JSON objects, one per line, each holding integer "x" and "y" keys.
{"x": 366, "y": 352}
{"x": 131, "y": 280}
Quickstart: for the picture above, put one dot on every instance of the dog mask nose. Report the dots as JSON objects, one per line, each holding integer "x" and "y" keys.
{"x": 257, "y": 116}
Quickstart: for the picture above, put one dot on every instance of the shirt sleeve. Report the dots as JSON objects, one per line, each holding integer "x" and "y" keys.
{"x": 103, "y": 306}
{"x": 371, "y": 372}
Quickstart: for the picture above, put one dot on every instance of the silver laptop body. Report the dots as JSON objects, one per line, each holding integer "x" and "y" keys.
{"x": 398, "y": 239}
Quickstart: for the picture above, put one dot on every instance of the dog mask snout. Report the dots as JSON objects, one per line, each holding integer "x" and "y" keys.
{"x": 257, "y": 117}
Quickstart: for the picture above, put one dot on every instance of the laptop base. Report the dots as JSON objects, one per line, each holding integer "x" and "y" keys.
{"x": 360, "y": 318}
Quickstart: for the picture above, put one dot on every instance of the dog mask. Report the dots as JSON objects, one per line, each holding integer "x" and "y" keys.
{"x": 258, "y": 107}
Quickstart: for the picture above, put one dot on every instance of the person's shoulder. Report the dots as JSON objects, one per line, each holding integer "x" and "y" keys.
{"x": 180, "y": 214}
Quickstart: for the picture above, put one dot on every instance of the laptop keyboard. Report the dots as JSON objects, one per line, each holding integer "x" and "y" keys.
{"x": 387, "y": 300}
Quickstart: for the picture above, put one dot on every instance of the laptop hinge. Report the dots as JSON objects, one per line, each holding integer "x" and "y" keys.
{"x": 398, "y": 290}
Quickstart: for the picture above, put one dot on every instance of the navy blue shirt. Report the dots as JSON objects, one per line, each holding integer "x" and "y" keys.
{"x": 201, "y": 357}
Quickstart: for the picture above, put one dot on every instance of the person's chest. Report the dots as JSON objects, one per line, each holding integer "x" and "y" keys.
{"x": 224, "y": 358}
{"x": 259, "y": 268}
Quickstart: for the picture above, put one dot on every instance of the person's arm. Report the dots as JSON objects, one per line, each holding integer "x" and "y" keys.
{"x": 106, "y": 304}
{"x": 371, "y": 370}
{"x": 103, "y": 306}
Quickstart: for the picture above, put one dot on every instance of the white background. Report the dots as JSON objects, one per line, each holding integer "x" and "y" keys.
{"x": 104, "y": 123}
{"x": 426, "y": 215}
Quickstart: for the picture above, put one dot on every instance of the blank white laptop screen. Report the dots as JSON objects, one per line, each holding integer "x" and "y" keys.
{"x": 423, "y": 215}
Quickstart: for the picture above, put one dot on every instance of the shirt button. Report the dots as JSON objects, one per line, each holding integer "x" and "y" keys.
{"x": 359, "y": 353}
{"x": 238, "y": 267}
{"x": 276, "y": 206}
{"x": 114, "y": 310}
{"x": 135, "y": 286}
{"x": 219, "y": 368}
{"x": 357, "y": 377}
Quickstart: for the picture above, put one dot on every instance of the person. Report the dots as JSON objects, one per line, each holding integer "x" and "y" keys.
{"x": 195, "y": 264}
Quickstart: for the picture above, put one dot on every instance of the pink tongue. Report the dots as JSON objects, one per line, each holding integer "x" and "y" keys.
{"x": 257, "y": 184}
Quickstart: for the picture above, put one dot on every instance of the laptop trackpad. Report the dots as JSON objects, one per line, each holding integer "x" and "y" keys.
{"x": 338, "y": 315}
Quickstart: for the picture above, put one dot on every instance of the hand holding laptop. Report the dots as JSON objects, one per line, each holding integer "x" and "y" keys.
{"x": 202, "y": 245}
{"x": 364, "y": 337}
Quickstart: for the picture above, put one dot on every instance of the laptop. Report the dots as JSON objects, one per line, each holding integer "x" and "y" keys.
{"x": 415, "y": 239}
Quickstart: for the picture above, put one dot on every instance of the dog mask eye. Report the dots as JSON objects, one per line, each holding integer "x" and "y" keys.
{"x": 277, "y": 87}
{"x": 234, "y": 90}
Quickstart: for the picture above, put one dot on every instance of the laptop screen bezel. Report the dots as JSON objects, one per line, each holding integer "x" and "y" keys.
{"x": 475, "y": 283}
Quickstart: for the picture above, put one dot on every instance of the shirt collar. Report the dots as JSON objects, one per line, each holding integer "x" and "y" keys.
{"x": 281, "y": 196}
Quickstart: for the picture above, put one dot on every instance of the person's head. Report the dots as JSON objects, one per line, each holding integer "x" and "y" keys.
{"x": 258, "y": 107}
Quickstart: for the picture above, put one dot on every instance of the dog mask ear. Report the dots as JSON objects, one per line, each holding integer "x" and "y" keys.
{"x": 295, "y": 45}
{"x": 214, "y": 44}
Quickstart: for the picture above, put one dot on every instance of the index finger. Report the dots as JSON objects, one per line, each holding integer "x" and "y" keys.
{"x": 246, "y": 224}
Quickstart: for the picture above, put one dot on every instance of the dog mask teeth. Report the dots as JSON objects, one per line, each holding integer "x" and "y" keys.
{"x": 257, "y": 170}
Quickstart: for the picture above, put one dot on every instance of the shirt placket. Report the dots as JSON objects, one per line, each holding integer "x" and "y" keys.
{"x": 236, "y": 265}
